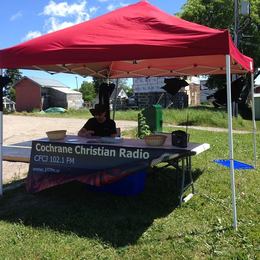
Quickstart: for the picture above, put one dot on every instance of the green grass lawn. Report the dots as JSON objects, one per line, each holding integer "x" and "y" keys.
{"x": 69, "y": 222}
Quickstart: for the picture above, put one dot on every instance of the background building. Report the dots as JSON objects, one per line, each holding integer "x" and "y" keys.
{"x": 149, "y": 91}
{"x": 45, "y": 93}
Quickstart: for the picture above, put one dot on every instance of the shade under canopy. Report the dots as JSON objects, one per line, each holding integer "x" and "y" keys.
{"x": 134, "y": 41}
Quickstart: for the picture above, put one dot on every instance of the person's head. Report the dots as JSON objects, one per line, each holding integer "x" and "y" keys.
{"x": 99, "y": 112}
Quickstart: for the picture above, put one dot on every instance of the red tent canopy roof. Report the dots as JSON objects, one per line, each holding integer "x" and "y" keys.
{"x": 137, "y": 40}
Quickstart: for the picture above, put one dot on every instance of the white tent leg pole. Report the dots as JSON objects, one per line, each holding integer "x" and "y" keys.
{"x": 253, "y": 117}
{"x": 1, "y": 146}
{"x": 115, "y": 99}
{"x": 230, "y": 140}
{"x": 1, "y": 152}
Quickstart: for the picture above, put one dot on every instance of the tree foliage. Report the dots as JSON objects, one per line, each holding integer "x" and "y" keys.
{"x": 88, "y": 91}
{"x": 129, "y": 91}
{"x": 219, "y": 14}
{"x": 122, "y": 83}
{"x": 97, "y": 82}
{"x": 15, "y": 75}
{"x": 209, "y": 13}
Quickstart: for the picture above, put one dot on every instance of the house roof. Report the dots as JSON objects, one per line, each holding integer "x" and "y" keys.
{"x": 44, "y": 83}
{"x": 257, "y": 81}
{"x": 47, "y": 82}
{"x": 120, "y": 93}
{"x": 8, "y": 100}
{"x": 67, "y": 90}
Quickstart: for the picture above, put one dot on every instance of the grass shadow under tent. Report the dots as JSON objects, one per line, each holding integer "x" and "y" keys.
{"x": 115, "y": 220}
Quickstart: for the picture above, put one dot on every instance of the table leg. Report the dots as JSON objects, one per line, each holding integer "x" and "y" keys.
{"x": 182, "y": 179}
{"x": 185, "y": 172}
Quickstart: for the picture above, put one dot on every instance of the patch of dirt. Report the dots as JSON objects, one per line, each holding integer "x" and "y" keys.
{"x": 13, "y": 171}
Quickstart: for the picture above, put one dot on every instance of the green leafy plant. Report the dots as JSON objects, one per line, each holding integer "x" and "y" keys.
{"x": 143, "y": 128}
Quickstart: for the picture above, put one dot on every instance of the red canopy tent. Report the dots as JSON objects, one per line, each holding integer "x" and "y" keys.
{"x": 135, "y": 41}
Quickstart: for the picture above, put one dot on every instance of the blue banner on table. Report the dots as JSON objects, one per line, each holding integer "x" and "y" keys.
{"x": 53, "y": 163}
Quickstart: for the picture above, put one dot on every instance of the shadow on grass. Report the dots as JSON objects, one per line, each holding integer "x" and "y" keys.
{"x": 70, "y": 208}
{"x": 245, "y": 111}
{"x": 208, "y": 108}
{"x": 188, "y": 123}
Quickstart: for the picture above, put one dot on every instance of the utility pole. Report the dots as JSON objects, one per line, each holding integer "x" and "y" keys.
{"x": 241, "y": 7}
{"x": 236, "y": 22}
{"x": 236, "y": 41}
{"x": 77, "y": 83}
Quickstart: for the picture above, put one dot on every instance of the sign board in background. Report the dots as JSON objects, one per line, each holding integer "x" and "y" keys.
{"x": 147, "y": 85}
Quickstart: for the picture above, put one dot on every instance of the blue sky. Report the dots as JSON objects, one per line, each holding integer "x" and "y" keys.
{"x": 22, "y": 20}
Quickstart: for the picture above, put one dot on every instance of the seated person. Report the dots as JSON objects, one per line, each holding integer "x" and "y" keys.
{"x": 99, "y": 125}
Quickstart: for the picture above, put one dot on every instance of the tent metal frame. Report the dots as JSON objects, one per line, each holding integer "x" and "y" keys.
{"x": 230, "y": 135}
{"x": 158, "y": 58}
{"x": 1, "y": 143}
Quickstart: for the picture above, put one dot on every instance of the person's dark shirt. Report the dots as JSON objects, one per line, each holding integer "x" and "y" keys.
{"x": 106, "y": 128}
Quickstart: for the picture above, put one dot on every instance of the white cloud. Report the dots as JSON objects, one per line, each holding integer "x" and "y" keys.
{"x": 60, "y": 15}
{"x": 54, "y": 24}
{"x": 114, "y": 6}
{"x": 124, "y": 4}
{"x": 16, "y": 16}
{"x": 111, "y": 7}
{"x": 63, "y": 15}
{"x": 64, "y": 9}
{"x": 93, "y": 9}
{"x": 31, "y": 35}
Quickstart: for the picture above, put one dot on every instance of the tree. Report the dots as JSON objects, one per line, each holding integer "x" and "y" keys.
{"x": 220, "y": 14}
{"x": 209, "y": 13}
{"x": 97, "y": 82}
{"x": 14, "y": 75}
{"x": 124, "y": 84}
{"x": 88, "y": 91}
{"x": 249, "y": 34}
{"x": 12, "y": 94}
{"x": 129, "y": 91}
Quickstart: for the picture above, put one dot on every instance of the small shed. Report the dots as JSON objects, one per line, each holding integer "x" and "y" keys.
{"x": 8, "y": 104}
{"x": 45, "y": 93}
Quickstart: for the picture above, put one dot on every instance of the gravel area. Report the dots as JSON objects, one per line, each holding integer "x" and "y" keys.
{"x": 18, "y": 129}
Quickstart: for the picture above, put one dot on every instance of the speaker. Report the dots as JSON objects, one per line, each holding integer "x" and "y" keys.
{"x": 180, "y": 138}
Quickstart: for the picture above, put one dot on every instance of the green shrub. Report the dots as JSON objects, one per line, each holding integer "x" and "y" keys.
{"x": 143, "y": 128}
